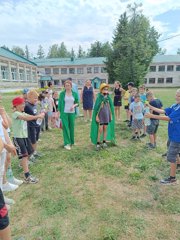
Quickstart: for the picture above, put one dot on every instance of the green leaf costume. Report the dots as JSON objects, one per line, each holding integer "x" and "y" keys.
{"x": 100, "y": 100}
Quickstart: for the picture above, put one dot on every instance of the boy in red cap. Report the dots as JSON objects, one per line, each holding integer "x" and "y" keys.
{"x": 20, "y": 139}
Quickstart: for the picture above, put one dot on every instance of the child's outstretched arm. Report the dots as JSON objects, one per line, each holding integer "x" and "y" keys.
{"x": 150, "y": 115}
{"x": 158, "y": 110}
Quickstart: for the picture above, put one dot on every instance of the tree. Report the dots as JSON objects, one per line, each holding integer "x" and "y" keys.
{"x": 53, "y": 51}
{"x": 178, "y": 51}
{"x": 72, "y": 54}
{"x": 81, "y": 53}
{"x": 27, "y": 53}
{"x": 18, "y": 50}
{"x": 134, "y": 45}
{"x": 40, "y": 52}
{"x": 63, "y": 52}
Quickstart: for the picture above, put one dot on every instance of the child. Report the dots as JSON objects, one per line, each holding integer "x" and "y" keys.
{"x": 33, "y": 125}
{"x": 51, "y": 105}
{"x": 130, "y": 85}
{"x": 136, "y": 110}
{"x": 103, "y": 118}
{"x": 55, "y": 115}
{"x": 143, "y": 100}
{"x": 20, "y": 139}
{"x": 172, "y": 115}
{"x": 131, "y": 99}
{"x": 5, "y": 232}
{"x": 153, "y": 127}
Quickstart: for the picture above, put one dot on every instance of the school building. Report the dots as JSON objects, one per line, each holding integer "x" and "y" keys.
{"x": 16, "y": 71}
{"x": 57, "y": 70}
{"x": 164, "y": 71}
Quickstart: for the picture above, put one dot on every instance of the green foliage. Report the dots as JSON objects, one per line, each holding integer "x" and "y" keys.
{"x": 134, "y": 45}
{"x": 99, "y": 49}
{"x": 40, "y": 52}
{"x": 18, "y": 50}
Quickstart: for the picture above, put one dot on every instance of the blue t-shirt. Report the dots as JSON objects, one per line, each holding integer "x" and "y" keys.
{"x": 137, "y": 108}
{"x": 174, "y": 124}
{"x": 157, "y": 104}
{"x": 143, "y": 97}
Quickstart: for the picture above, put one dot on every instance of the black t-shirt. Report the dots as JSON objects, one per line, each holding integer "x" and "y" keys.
{"x": 31, "y": 109}
{"x": 157, "y": 104}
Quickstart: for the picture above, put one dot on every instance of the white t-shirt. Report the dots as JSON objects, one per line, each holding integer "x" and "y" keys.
{"x": 69, "y": 102}
{"x": 2, "y": 130}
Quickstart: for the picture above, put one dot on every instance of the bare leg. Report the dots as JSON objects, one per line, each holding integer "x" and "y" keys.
{"x": 24, "y": 164}
{"x": 85, "y": 115}
{"x": 100, "y": 132}
{"x": 119, "y": 109}
{"x": 34, "y": 146}
{"x": 104, "y": 132}
{"x": 90, "y": 114}
{"x": 173, "y": 169}
{"x": 5, "y": 234}
{"x": 151, "y": 138}
{"x": 7, "y": 164}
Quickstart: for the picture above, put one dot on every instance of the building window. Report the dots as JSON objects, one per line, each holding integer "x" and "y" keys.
{"x": 152, "y": 68}
{"x": 4, "y": 72}
{"x": 169, "y": 80}
{"x": 170, "y": 68}
{"x": 47, "y": 70}
{"x": 28, "y": 77}
{"x": 71, "y": 70}
{"x": 34, "y": 76}
{"x": 63, "y": 70}
{"x": 152, "y": 80}
{"x": 80, "y": 70}
{"x": 21, "y": 74}
{"x": 103, "y": 70}
{"x": 177, "y": 67}
{"x": 14, "y": 73}
{"x": 55, "y": 71}
{"x": 89, "y": 70}
{"x": 161, "y": 68}
{"x": 96, "y": 69}
{"x": 56, "y": 82}
{"x": 145, "y": 80}
{"x": 160, "y": 80}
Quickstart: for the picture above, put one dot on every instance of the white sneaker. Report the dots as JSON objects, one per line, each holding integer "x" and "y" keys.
{"x": 15, "y": 181}
{"x": 8, "y": 207}
{"x": 67, "y": 147}
{"x": 9, "y": 201}
{"x": 8, "y": 187}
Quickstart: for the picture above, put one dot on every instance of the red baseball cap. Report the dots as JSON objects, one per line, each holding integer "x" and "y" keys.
{"x": 17, "y": 101}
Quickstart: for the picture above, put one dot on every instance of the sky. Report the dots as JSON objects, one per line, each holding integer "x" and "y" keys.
{"x": 80, "y": 22}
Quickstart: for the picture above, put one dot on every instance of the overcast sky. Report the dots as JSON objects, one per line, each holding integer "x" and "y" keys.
{"x": 79, "y": 22}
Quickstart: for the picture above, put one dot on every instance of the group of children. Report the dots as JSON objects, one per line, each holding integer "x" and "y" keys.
{"x": 33, "y": 113}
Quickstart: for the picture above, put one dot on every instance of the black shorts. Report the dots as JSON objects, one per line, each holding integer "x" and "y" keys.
{"x": 173, "y": 151}
{"x": 33, "y": 134}
{"x": 101, "y": 124}
{"x": 126, "y": 107}
{"x": 23, "y": 147}
{"x": 4, "y": 219}
{"x": 153, "y": 127}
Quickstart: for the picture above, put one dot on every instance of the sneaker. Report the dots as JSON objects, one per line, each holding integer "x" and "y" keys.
{"x": 168, "y": 181}
{"x": 9, "y": 201}
{"x": 37, "y": 154}
{"x": 15, "y": 181}
{"x": 8, "y": 207}
{"x": 67, "y": 147}
{"x": 138, "y": 138}
{"x": 164, "y": 154}
{"x": 143, "y": 135}
{"x": 32, "y": 158}
{"x": 8, "y": 187}
{"x": 133, "y": 138}
{"x": 104, "y": 145}
{"x": 98, "y": 147}
{"x": 150, "y": 146}
{"x": 31, "y": 179}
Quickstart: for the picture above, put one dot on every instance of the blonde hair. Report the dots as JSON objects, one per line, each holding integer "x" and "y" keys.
{"x": 178, "y": 91}
{"x": 117, "y": 82}
{"x": 32, "y": 93}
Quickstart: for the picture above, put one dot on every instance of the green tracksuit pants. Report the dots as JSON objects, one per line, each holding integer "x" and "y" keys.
{"x": 68, "y": 127}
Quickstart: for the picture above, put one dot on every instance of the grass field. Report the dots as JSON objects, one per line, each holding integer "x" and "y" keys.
{"x": 113, "y": 194}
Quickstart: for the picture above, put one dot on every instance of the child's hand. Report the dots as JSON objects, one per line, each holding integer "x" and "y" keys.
{"x": 72, "y": 108}
{"x": 148, "y": 115}
{"x": 97, "y": 119}
{"x": 11, "y": 148}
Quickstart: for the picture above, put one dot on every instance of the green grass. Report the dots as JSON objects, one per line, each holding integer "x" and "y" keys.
{"x": 83, "y": 194}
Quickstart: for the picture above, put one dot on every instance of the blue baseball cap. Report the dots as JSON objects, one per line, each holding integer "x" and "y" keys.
{"x": 25, "y": 90}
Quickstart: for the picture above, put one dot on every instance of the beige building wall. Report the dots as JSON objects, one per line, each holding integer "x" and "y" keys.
{"x": 17, "y": 74}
